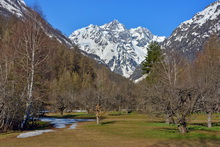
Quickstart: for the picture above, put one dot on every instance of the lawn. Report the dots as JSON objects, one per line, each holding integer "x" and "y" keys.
{"x": 124, "y": 130}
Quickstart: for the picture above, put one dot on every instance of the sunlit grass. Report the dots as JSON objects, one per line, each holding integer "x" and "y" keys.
{"x": 8, "y": 134}
{"x": 124, "y": 130}
{"x": 140, "y": 128}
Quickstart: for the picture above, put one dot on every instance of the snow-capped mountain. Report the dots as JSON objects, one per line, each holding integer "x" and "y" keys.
{"x": 21, "y": 10}
{"x": 189, "y": 37}
{"x": 17, "y": 7}
{"x": 121, "y": 49}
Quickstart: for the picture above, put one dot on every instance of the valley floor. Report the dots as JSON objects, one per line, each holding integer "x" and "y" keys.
{"x": 123, "y": 130}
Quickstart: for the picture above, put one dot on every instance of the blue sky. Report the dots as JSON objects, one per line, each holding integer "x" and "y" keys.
{"x": 161, "y": 17}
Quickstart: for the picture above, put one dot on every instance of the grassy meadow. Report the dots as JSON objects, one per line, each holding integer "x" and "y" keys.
{"x": 122, "y": 130}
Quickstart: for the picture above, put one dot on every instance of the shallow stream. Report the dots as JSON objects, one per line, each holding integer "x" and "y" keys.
{"x": 57, "y": 123}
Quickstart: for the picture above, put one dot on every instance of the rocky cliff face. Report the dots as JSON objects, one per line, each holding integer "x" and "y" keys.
{"x": 121, "y": 49}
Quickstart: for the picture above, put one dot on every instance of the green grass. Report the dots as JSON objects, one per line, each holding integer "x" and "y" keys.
{"x": 8, "y": 134}
{"x": 123, "y": 130}
{"x": 156, "y": 129}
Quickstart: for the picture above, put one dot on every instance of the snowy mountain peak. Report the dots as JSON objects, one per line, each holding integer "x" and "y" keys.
{"x": 189, "y": 37}
{"x": 22, "y": 2}
{"x": 91, "y": 26}
{"x": 115, "y": 25}
{"x": 209, "y": 13}
{"x": 141, "y": 29}
{"x": 119, "y": 48}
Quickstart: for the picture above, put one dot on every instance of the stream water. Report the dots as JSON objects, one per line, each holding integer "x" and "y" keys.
{"x": 57, "y": 123}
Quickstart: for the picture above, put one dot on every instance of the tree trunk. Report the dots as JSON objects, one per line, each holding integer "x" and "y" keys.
{"x": 126, "y": 110}
{"x": 29, "y": 102}
{"x": 88, "y": 111}
{"x": 26, "y": 116}
{"x": 98, "y": 114}
{"x": 97, "y": 120}
{"x": 183, "y": 126}
{"x": 30, "y": 91}
{"x": 169, "y": 119}
{"x": 61, "y": 112}
{"x": 209, "y": 119}
{"x": 119, "y": 109}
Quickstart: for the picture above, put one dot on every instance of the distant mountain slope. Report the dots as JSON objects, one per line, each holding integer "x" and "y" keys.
{"x": 121, "y": 49}
{"x": 19, "y": 9}
{"x": 189, "y": 37}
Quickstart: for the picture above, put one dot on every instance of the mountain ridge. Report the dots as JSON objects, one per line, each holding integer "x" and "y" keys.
{"x": 19, "y": 9}
{"x": 120, "y": 48}
{"x": 189, "y": 37}
{"x": 16, "y": 7}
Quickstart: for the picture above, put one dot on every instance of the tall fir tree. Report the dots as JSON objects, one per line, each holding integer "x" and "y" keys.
{"x": 154, "y": 55}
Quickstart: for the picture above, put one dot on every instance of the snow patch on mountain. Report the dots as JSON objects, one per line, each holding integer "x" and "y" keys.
{"x": 119, "y": 48}
{"x": 19, "y": 9}
{"x": 16, "y": 7}
{"x": 210, "y": 13}
{"x": 140, "y": 79}
{"x": 189, "y": 37}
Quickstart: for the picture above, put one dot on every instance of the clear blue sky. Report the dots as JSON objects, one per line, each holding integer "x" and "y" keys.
{"x": 161, "y": 17}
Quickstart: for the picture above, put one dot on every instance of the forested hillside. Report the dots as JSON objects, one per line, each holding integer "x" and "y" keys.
{"x": 39, "y": 73}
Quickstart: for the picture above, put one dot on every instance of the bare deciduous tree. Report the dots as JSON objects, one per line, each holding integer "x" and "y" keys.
{"x": 207, "y": 67}
{"x": 30, "y": 44}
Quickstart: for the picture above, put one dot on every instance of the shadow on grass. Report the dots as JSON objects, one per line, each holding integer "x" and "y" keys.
{"x": 149, "y": 122}
{"x": 191, "y": 134}
{"x": 169, "y": 130}
{"x": 198, "y": 142}
{"x": 73, "y": 116}
{"x": 107, "y": 122}
{"x": 214, "y": 124}
{"x": 38, "y": 125}
{"x": 198, "y": 128}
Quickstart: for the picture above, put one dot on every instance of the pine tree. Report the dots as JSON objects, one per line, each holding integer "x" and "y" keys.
{"x": 154, "y": 56}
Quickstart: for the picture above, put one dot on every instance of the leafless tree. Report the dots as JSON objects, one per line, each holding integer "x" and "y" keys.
{"x": 30, "y": 44}
{"x": 207, "y": 67}
{"x": 174, "y": 93}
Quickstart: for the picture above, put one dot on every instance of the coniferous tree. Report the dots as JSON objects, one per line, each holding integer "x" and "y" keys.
{"x": 154, "y": 55}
